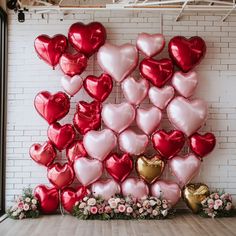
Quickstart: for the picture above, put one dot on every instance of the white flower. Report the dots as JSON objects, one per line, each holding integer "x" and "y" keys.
{"x": 21, "y": 216}
{"x": 146, "y": 203}
{"x": 117, "y": 200}
{"x": 113, "y": 205}
{"x": 210, "y": 201}
{"x": 91, "y": 201}
{"x": 155, "y": 213}
{"x": 111, "y": 200}
{"x": 27, "y": 199}
{"x": 82, "y": 205}
{"x": 140, "y": 210}
{"x": 158, "y": 202}
{"x": 152, "y": 202}
{"x": 129, "y": 209}
{"x": 85, "y": 199}
{"x": 216, "y": 207}
{"x": 164, "y": 212}
{"x": 26, "y": 207}
{"x": 14, "y": 213}
{"x": 34, "y": 201}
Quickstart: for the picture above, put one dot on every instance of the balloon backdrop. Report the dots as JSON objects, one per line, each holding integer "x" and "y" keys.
{"x": 50, "y": 49}
{"x": 186, "y": 53}
{"x": 43, "y": 154}
{"x": 52, "y": 107}
{"x": 93, "y": 152}
{"x": 48, "y": 198}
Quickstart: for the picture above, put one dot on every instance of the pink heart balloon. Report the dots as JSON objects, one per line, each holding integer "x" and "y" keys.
{"x": 105, "y": 188}
{"x": 118, "y": 61}
{"x": 118, "y": 117}
{"x": 87, "y": 170}
{"x": 185, "y": 168}
{"x": 135, "y": 91}
{"x": 134, "y": 187}
{"x": 71, "y": 85}
{"x": 148, "y": 119}
{"x": 98, "y": 144}
{"x": 185, "y": 83}
{"x": 150, "y": 44}
{"x": 132, "y": 143}
{"x": 187, "y": 116}
{"x": 167, "y": 190}
{"x": 160, "y": 97}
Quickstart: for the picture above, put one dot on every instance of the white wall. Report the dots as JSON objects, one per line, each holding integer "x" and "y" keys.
{"x": 29, "y": 75}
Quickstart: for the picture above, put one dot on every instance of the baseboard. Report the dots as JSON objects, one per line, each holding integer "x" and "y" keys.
{"x": 3, "y": 217}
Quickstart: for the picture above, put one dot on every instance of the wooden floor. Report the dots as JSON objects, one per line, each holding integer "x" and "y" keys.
{"x": 56, "y": 225}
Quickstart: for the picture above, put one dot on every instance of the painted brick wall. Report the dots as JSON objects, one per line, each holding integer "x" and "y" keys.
{"x": 29, "y": 75}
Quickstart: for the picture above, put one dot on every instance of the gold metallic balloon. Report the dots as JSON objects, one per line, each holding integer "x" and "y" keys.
{"x": 149, "y": 169}
{"x": 194, "y": 194}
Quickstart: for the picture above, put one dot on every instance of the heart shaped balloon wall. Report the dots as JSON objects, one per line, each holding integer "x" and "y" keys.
{"x": 108, "y": 142}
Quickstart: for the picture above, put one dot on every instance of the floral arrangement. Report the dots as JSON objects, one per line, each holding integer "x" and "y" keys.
{"x": 217, "y": 204}
{"x": 119, "y": 207}
{"x": 25, "y": 206}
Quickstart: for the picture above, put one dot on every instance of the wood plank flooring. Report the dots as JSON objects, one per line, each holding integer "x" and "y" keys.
{"x": 180, "y": 225}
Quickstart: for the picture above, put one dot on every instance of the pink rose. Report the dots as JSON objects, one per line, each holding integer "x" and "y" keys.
{"x": 107, "y": 209}
{"x": 100, "y": 210}
{"x": 21, "y": 205}
{"x": 121, "y": 208}
{"x": 26, "y": 207}
{"x": 216, "y": 196}
{"x": 218, "y": 202}
{"x": 93, "y": 210}
{"x": 129, "y": 210}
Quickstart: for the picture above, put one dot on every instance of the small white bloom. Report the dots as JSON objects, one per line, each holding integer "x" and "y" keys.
{"x": 117, "y": 200}
{"x": 82, "y": 205}
{"x": 154, "y": 212}
{"x": 111, "y": 200}
{"x": 85, "y": 199}
{"x": 216, "y": 207}
{"x": 152, "y": 202}
{"x": 34, "y": 201}
{"x": 14, "y": 213}
{"x": 113, "y": 205}
{"x": 27, "y": 199}
{"x": 164, "y": 212}
{"x": 91, "y": 201}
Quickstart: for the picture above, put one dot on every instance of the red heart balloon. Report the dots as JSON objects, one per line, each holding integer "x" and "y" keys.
{"x": 98, "y": 88}
{"x": 186, "y": 53}
{"x": 61, "y": 135}
{"x": 52, "y": 107}
{"x": 202, "y": 144}
{"x": 48, "y": 198}
{"x": 119, "y": 167}
{"x": 73, "y": 64}
{"x": 168, "y": 144}
{"x": 87, "y": 39}
{"x": 43, "y": 154}
{"x": 70, "y": 196}
{"x": 50, "y": 49}
{"x": 87, "y": 117}
{"x": 158, "y": 72}
{"x": 76, "y": 149}
{"x": 60, "y": 175}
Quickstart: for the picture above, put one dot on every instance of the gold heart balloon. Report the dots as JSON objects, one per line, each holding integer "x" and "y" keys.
{"x": 150, "y": 169}
{"x": 194, "y": 194}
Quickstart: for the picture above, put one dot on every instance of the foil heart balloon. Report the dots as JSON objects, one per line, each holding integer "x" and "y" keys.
{"x": 87, "y": 116}
{"x": 76, "y": 149}
{"x": 202, "y": 145}
{"x": 43, "y": 154}
{"x": 60, "y": 175}
{"x": 73, "y": 64}
{"x": 185, "y": 83}
{"x": 158, "y": 72}
{"x": 98, "y": 88}
{"x": 185, "y": 168}
{"x": 50, "y": 49}
{"x": 133, "y": 143}
{"x": 135, "y": 91}
{"x": 48, "y": 198}
{"x": 61, "y": 135}
{"x": 99, "y": 144}
{"x": 118, "y": 117}
{"x": 134, "y": 187}
{"x": 87, "y": 170}
{"x": 160, "y": 97}
{"x": 105, "y": 189}
{"x": 71, "y": 85}
{"x": 70, "y": 196}
{"x": 52, "y": 107}
{"x": 168, "y": 144}
{"x": 87, "y": 39}
{"x": 149, "y": 169}
{"x": 119, "y": 167}
{"x": 186, "y": 53}
{"x": 187, "y": 115}
{"x": 118, "y": 61}
{"x": 194, "y": 194}
{"x": 148, "y": 119}
{"x": 166, "y": 190}
{"x": 150, "y": 44}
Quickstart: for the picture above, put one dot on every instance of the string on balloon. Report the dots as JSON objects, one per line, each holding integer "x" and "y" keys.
{"x": 60, "y": 204}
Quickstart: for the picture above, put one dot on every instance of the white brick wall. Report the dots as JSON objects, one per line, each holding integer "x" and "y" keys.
{"x": 29, "y": 75}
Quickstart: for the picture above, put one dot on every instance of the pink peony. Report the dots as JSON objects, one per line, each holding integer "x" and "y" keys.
{"x": 129, "y": 210}
{"x": 216, "y": 196}
{"x": 121, "y": 208}
{"x": 218, "y": 202}
{"x": 26, "y": 207}
{"x": 100, "y": 210}
{"x": 21, "y": 205}
{"x": 107, "y": 209}
{"x": 211, "y": 205}
{"x": 94, "y": 210}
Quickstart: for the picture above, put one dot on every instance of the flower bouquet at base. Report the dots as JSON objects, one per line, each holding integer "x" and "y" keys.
{"x": 119, "y": 207}
{"x": 218, "y": 204}
{"x": 25, "y": 206}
